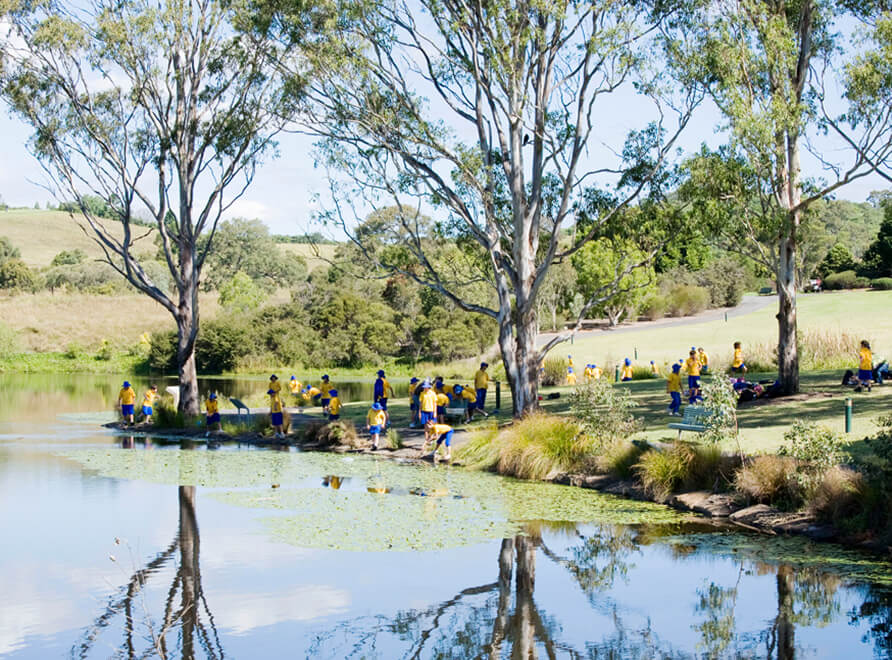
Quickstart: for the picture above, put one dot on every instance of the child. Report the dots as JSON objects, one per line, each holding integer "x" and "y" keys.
{"x": 324, "y": 396}
{"x": 442, "y": 404}
{"x": 481, "y": 382}
{"x": 213, "y": 413}
{"x": 382, "y": 391}
{"x": 148, "y": 402}
{"x": 571, "y": 376}
{"x": 704, "y": 360}
{"x": 274, "y": 384}
{"x": 311, "y": 393}
{"x": 865, "y": 364}
{"x": 375, "y": 421}
{"x": 413, "y": 402}
{"x": 692, "y": 368}
{"x": 428, "y": 404}
{"x": 463, "y": 393}
{"x": 626, "y": 373}
{"x": 275, "y": 413}
{"x": 673, "y": 386}
{"x": 294, "y": 385}
{"x": 654, "y": 369}
{"x": 738, "y": 365}
{"x": 126, "y": 399}
{"x": 596, "y": 372}
{"x": 334, "y": 406}
{"x": 441, "y": 433}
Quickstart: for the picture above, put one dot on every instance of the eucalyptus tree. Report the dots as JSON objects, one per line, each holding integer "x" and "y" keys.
{"x": 160, "y": 107}
{"x": 492, "y": 119}
{"x": 771, "y": 67}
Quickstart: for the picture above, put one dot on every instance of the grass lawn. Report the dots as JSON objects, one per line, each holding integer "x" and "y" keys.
{"x": 859, "y": 313}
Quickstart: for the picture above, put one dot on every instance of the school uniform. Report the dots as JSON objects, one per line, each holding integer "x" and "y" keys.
{"x": 481, "y": 382}
{"x": 443, "y": 433}
{"x": 673, "y": 387}
{"x": 376, "y": 419}
{"x": 275, "y": 410}
{"x": 325, "y": 397}
{"x": 382, "y": 389}
{"x": 626, "y": 373}
{"x": 334, "y": 409}
{"x": 148, "y": 403}
{"x": 737, "y": 364}
{"x": 442, "y": 402}
{"x": 428, "y": 405}
{"x": 865, "y": 366}
{"x": 692, "y": 368}
{"x": 128, "y": 397}
{"x": 213, "y": 412}
{"x": 704, "y": 361}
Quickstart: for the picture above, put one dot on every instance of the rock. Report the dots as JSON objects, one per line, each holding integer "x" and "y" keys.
{"x": 712, "y": 505}
{"x": 753, "y": 515}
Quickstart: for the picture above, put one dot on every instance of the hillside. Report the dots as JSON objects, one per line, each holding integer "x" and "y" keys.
{"x": 315, "y": 255}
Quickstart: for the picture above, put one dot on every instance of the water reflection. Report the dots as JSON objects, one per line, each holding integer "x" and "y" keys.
{"x": 186, "y": 624}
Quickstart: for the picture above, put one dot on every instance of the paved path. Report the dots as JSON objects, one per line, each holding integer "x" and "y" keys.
{"x": 749, "y": 304}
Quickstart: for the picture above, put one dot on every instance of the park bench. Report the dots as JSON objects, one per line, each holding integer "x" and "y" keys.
{"x": 460, "y": 411}
{"x": 766, "y": 291}
{"x": 695, "y": 419}
{"x": 239, "y": 406}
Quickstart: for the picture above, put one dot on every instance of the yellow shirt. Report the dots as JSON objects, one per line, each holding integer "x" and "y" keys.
{"x": 324, "y": 387}
{"x": 654, "y": 369}
{"x": 148, "y": 399}
{"x": 295, "y": 386}
{"x": 866, "y": 359}
{"x": 211, "y": 406}
{"x": 127, "y": 396}
{"x": 428, "y": 401}
{"x": 571, "y": 378}
{"x": 468, "y": 394}
{"x": 596, "y": 373}
{"x": 334, "y": 405}
{"x": 626, "y": 372}
{"x": 275, "y": 386}
{"x": 275, "y": 403}
{"x": 481, "y": 380}
{"x": 673, "y": 382}
{"x": 704, "y": 358}
{"x": 376, "y": 417}
{"x": 310, "y": 393}
{"x": 440, "y": 429}
{"x": 442, "y": 400}
{"x": 692, "y": 366}
{"x": 738, "y": 358}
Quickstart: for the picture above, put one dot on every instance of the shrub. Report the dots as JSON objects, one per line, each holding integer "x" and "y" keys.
{"x": 16, "y": 276}
{"x": 838, "y": 498}
{"x": 653, "y": 307}
{"x": 769, "y": 480}
{"x": 605, "y": 411}
{"x": 331, "y": 434}
{"x": 687, "y": 299}
{"x": 725, "y": 281}
{"x": 9, "y": 342}
{"x": 554, "y": 372}
{"x": 220, "y": 344}
{"x": 881, "y": 283}
{"x": 481, "y": 452}
{"x": 720, "y": 401}
{"x": 618, "y": 457}
{"x": 393, "y": 439}
{"x": 166, "y": 415}
{"x": 847, "y": 279}
{"x": 163, "y": 351}
{"x": 642, "y": 373}
{"x": 661, "y": 472}
{"x": 815, "y": 448}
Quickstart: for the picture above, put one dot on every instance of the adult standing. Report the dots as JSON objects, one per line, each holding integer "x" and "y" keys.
{"x": 481, "y": 382}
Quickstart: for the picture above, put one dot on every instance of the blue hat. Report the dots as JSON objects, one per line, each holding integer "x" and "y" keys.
{"x": 293, "y": 377}
{"x": 381, "y": 373}
{"x": 651, "y": 361}
{"x": 213, "y": 396}
{"x": 594, "y": 366}
{"x": 414, "y": 380}
{"x": 270, "y": 391}
{"x": 483, "y": 365}
{"x": 569, "y": 370}
{"x": 425, "y": 385}
{"x": 126, "y": 384}
{"x": 569, "y": 356}
{"x": 274, "y": 377}
{"x": 458, "y": 389}
{"x": 324, "y": 376}
{"x": 627, "y": 362}
{"x": 333, "y": 392}
{"x": 376, "y": 406}
{"x": 676, "y": 367}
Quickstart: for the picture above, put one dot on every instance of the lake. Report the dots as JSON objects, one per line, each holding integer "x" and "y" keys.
{"x": 118, "y": 546}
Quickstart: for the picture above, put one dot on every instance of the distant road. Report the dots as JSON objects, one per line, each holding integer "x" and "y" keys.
{"x": 749, "y": 304}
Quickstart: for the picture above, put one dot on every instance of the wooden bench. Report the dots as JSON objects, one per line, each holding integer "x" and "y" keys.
{"x": 695, "y": 419}
{"x": 766, "y": 291}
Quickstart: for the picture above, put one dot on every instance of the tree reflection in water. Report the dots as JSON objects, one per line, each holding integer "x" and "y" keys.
{"x": 186, "y": 620}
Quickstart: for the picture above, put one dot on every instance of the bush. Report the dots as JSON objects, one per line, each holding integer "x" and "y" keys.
{"x": 815, "y": 448}
{"x": 336, "y": 433}
{"x": 9, "y": 342}
{"x": 838, "y": 498}
{"x": 642, "y": 373}
{"x": 220, "y": 344}
{"x": 653, "y": 307}
{"x": 605, "y": 411}
{"x": 769, "y": 480}
{"x": 725, "y": 280}
{"x": 881, "y": 283}
{"x": 166, "y": 415}
{"x": 163, "y": 351}
{"x": 847, "y": 279}
{"x": 554, "y": 372}
{"x": 619, "y": 458}
{"x": 662, "y": 472}
{"x": 16, "y": 276}
{"x": 686, "y": 300}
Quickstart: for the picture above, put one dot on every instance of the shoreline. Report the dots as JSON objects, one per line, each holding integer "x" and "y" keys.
{"x": 716, "y": 507}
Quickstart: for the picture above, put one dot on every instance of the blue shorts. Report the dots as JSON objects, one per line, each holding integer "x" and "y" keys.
{"x": 626, "y": 379}
{"x": 426, "y": 417}
{"x": 740, "y": 368}
{"x": 213, "y": 419}
{"x": 441, "y": 410}
{"x": 413, "y": 405}
{"x": 446, "y": 437}
{"x": 375, "y": 430}
{"x": 332, "y": 418}
{"x": 471, "y": 405}
{"x": 383, "y": 401}
{"x": 481, "y": 397}
{"x": 126, "y": 409}
{"x": 324, "y": 402}
{"x": 693, "y": 381}
{"x": 276, "y": 419}
{"x": 865, "y": 374}
{"x": 147, "y": 411}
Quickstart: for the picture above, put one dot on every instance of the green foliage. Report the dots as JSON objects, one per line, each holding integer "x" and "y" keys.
{"x": 605, "y": 411}
{"x": 614, "y": 269}
{"x": 725, "y": 280}
{"x": 618, "y": 457}
{"x": 69, "y": 258}
{"x": 653, "y": 307}
{"x": 837, "y": 260}
{"x": 163, "y": 352}
{"x": 686, "y": 300}
{"x": 240, "y": 295}
{"x": 878, "y": 256}
{"x": 847, "y": 279}
{"x": 816, "y": 449}
{"x": 9, "y": 342}
{"x": 643, "y": 373}
{"x": 8, "y": 250}
{"x": 166, "y": 415}
{"x": 87, "y": 277}
{"x": 554, "y": 372}
{"x": 220, "y": 344}
{"x": 720, "y": 402}
{"x": 541, "y": 446}
{"x": 881, "y": 284}
{"x": 16, "y": 276}
{"x": 683, "y": 465}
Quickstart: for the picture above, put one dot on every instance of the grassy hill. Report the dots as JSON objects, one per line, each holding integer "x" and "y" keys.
{"x": 315, "y": 255}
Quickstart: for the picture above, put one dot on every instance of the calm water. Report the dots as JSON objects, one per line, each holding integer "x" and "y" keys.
{"x": 116, "y": 547}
